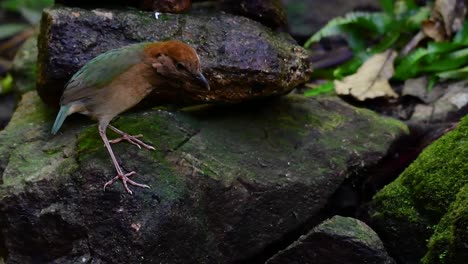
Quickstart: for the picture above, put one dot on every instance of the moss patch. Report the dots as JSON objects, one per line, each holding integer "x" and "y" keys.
{"x": 425, "y": 192}
{"x": 448, "y": 244}
{"x": 304, "y": 128}
{"x": 159, "y": 130}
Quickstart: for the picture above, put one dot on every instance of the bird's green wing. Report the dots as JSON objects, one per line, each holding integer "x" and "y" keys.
{"x": 102, "y": 70}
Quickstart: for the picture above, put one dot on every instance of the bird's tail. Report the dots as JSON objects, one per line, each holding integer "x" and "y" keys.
{"x": 62, "y": 114}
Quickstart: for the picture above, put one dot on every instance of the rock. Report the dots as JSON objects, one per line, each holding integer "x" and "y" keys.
{"x": 226, "y": 182}
{"x": 166, "y": 6}
{"x": 7, "y": 106}
{"x": 307, "y": 17}
{"x": 337, "y": 240}
{"x": 418, "y": 88}
{"x": 268, "y": 12}
{"x": 24, "y": 70}
{"x": 453, "y": 100}
{"x": 428, "y": 203}
{"x": 241, "y": 58}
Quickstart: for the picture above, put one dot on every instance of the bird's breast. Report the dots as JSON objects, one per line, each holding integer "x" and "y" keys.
{"x": 124, "y": 92}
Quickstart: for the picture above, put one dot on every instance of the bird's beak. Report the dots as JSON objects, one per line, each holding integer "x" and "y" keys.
{"x": 201, "y": 80}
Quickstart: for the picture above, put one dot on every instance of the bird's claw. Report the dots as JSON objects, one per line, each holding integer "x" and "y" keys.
{"x": 125, "y": 179}
{"x": 133, "y": 140}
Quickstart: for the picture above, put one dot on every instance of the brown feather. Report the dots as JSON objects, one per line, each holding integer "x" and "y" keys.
{"x": 175, "y": 49}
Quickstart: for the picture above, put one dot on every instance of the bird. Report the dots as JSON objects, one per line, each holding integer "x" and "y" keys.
{"x": 118, "y": 79}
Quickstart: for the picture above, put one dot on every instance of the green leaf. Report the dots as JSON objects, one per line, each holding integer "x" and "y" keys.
{"x": 387, "y": 42}
{"x": 354, "y": 38}
{"x": 326, "y": 73}
{"x": 324, "y": 88}
{"x": 433, "y": 79}
{"x": 447, "y": 62}
{"x": 376, "y": 23}
{"x": 462, "y": 35}
{"x": 350, "y": 66}
{"x": 403, "y": 7}
{"x": 461, "y": 73}
{"x": 16, "y": 5}
{"x": 409, "y": 66}
{"x": 6, "y": 84}
{"x": 9, "y": 30}
{"x": 416, "y": 17}
{"x": 443, "y": 47}
{"x": 388, "y": 6}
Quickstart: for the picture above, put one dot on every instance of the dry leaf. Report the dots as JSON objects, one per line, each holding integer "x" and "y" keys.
{"x": 447, "y": 18}
{"x": 434, "y": 29}
{"x": 371, "y": 79}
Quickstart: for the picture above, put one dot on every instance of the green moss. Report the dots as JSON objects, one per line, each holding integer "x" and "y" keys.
{"x": 349, "y": 227}
{"x": 395, "y": 200}
{"x": 144, "y": 19}
{"x": 89, "y": 140}
{"x": 157, "y": 131}
{"x": 424, "y": 194}
{"x": 333, "y": 122}
{"x": 439, "y": 172}
{"x": 67, "y": 167}
{"x": 448, "y": 244}
{"x": 383, "y": 121}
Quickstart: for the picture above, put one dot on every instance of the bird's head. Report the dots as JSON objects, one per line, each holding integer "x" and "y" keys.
{"x": 176, "y": 61}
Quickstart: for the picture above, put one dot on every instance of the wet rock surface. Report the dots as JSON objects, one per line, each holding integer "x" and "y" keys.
{"x": 226, "y": 182}
{"x": 241, "y": 58}
{"x": 337, "y": 240}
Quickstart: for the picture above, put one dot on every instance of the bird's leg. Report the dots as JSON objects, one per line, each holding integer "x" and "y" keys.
{"x": 132, "y": 139}
{"x": 120, "y": 174}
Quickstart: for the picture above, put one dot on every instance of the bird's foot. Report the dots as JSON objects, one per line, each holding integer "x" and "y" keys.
{"x": 125, "y": 182}
{"x": 133, "y": 140}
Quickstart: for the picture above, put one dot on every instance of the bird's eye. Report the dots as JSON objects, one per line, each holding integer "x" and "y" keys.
{"x": 180, "y": 66}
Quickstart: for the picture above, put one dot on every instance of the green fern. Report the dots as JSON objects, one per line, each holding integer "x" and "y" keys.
{"x": 376, "y": 23}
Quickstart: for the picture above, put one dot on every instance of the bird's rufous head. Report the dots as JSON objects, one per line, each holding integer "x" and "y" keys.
{"x": 177, "y": 61}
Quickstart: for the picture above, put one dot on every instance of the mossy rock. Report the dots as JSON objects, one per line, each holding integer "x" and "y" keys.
{"x": 24, "y": 69}
{"x": 336, "y": 240}
{"x": 448, "y": 244}
{"x": 425, "y": 203}
{"x": 226, "y": 182}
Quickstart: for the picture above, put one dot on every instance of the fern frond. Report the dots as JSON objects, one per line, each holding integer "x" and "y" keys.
{"x": 373, "y": 22}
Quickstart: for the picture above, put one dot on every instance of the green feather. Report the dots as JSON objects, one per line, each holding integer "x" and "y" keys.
{"x": 104, "y": 68}
{"x": 62, "y": 114}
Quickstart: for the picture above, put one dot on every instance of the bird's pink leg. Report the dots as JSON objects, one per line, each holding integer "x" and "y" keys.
{"x": 120, "y": 174}
{"x": 132, "y": 139}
